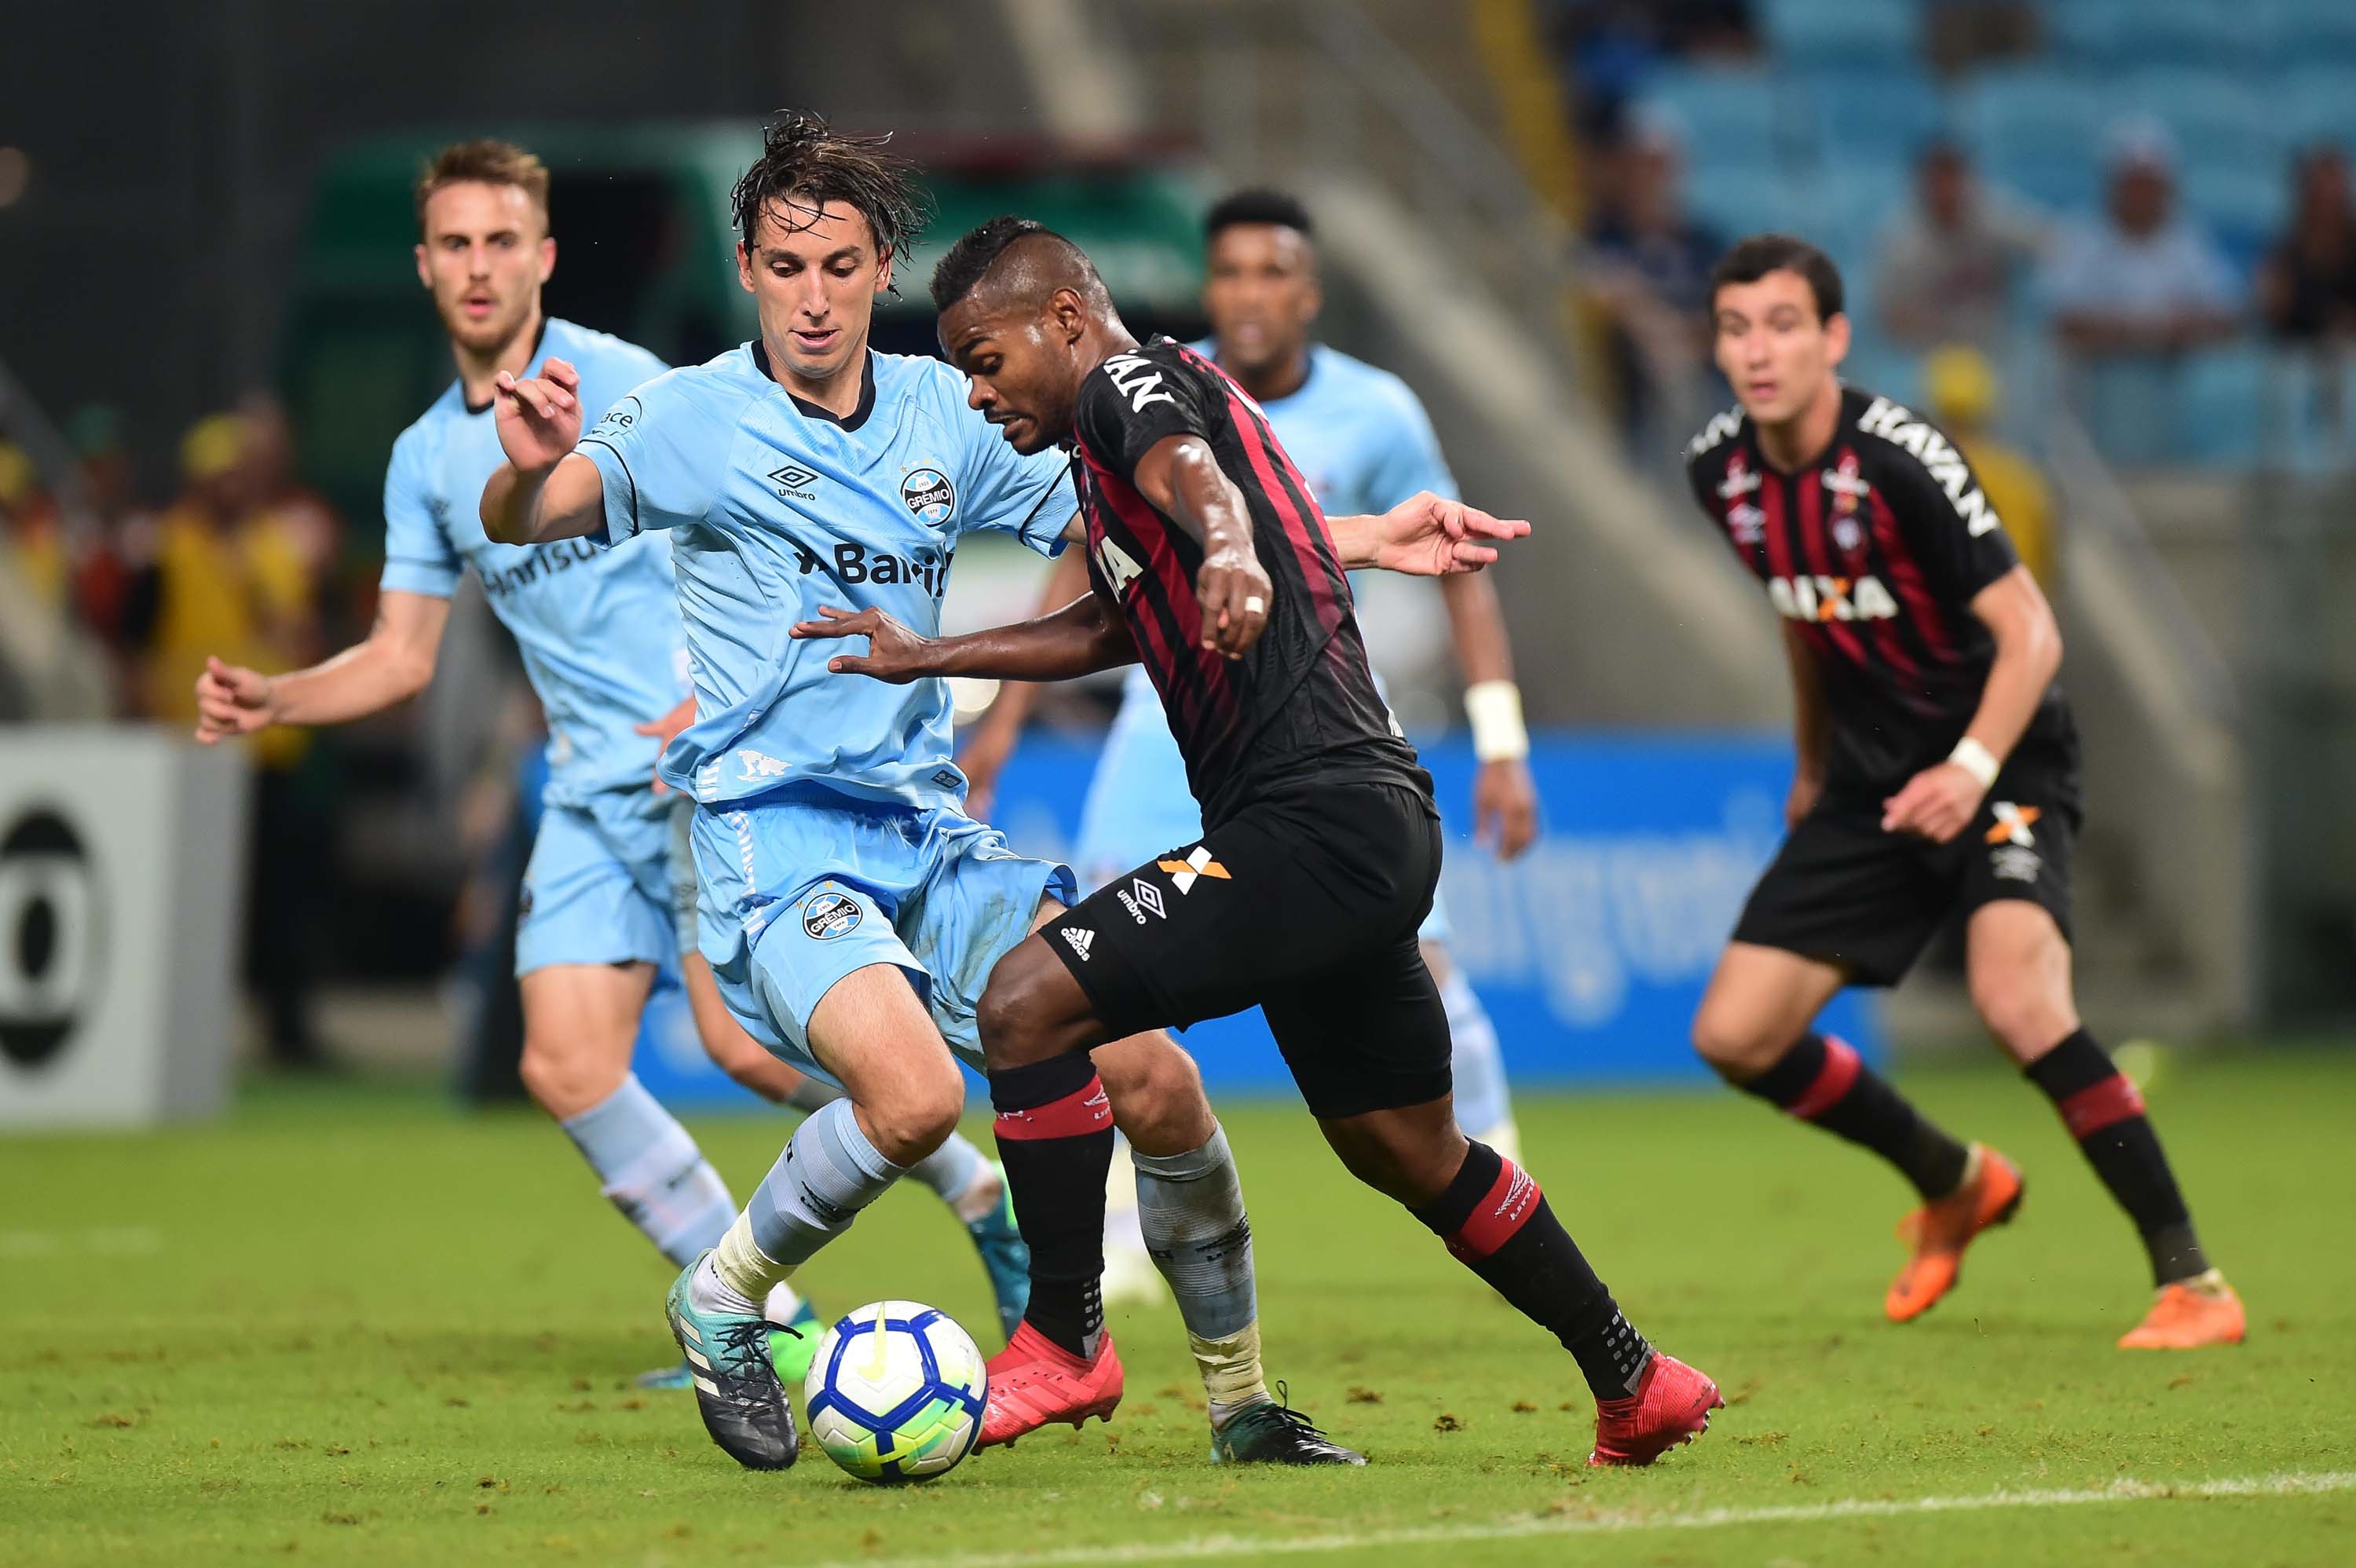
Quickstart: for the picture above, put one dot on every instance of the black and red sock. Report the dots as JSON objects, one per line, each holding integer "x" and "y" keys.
{"x": 1823, "y": 1080}
{"x": 1055, "y": 1138}
{"x": 2105, "y": 1112}
{"x": 1497, "y": 1223}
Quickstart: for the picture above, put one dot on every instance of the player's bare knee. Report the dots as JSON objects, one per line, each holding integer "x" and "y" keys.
{"x": 1733, "y": 1045}
{"x": 2024, "y": 1020}
{"x": 567, "y": 1080}
{"x": 1018, "y": 1016}
{"x": 918, "y": 1115}
{"x": 1157, "y": 1095}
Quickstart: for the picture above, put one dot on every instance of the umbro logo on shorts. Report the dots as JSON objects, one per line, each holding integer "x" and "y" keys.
{"x": 829, "y": 915}
{"x": 1198, "y": 864}
{"x": 1080, "y": 938}
{"x": 1139, "y": 897}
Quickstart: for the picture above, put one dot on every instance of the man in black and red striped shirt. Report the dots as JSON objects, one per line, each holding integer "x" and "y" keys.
{"x": 1938, "y": 774}
{"x": 1210, "y": 562}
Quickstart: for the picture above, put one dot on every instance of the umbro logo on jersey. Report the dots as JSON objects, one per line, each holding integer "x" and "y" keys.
{"x": 1141, "y": 897}
{"x": 1198, "y": 864}
{"x": 2012, "y": 825}
{"x": 1823, "y": 599}
{"x": 793, "y": 481}
{"x": 1079, "y": 938}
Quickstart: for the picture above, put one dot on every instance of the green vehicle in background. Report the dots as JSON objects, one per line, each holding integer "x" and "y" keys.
{"x": 645, "y": 250}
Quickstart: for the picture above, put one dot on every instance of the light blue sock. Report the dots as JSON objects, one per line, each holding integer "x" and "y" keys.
{"x": 827, "y": 1175}
{"x": 951, "y": 1169}
{"x": 1190, "y": 1207}
{"x": 653, "y": 1172}
{"x": 1482, "y": 1101}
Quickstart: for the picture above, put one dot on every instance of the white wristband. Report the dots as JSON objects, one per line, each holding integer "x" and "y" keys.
{"x": 1494, "y": 707}
{"x": 1975, "y": 760}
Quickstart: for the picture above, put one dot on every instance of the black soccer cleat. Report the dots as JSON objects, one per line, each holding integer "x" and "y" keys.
{"x": 1273, "y": 1433}
{"x": 736, "y": 1388}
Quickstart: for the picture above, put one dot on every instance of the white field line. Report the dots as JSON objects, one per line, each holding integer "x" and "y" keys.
{"x": 1619, "y": 1522}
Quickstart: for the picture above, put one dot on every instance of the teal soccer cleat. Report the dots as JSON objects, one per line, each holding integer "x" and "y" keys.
{"x": 736, "y": 1388}
{"x": 1005, "y": 1257}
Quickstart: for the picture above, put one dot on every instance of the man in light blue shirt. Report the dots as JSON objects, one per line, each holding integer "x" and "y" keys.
{"x": 602, "y": 646}
{"x": 1363, "y": 444}
{"x": 851, "y": 909}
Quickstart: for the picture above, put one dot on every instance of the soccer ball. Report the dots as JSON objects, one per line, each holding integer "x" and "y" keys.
{"x": 896, "y": 1393}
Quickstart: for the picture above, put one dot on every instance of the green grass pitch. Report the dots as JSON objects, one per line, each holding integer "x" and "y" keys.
{"x": 351, "y": 1325}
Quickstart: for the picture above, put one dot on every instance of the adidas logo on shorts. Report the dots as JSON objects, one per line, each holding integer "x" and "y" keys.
{"x": 1079, "y": 939}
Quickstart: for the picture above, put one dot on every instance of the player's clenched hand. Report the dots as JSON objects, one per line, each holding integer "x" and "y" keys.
{"x": 1431, "y": 536}
{"x": 664, "y": 729}
{"x": 1936, "y": 804}
{"x": 1506, "y": 805}
{"x": 231, "y": 700}
{"x": 1233, "y": 589}
{"x": 894, "y": 654}
{"x": 539, "y": 419}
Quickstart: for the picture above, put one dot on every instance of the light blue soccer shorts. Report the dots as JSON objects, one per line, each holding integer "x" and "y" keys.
{"x": 1139, "y": 805}
{"x": 806, "y": 884}
{"x": 597, "y": 889}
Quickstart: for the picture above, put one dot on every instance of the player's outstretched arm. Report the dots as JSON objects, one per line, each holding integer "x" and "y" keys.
{"x": 990, "y": 741}
{"x": 1941, "y": 801}
{"x": 395, "y": 663}
{"x": 1081, "y": 638}
{"x": 545, "y": 490}
{"x": 1423, "y": 536}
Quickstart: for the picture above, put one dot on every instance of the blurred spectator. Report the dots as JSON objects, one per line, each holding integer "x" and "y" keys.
{"x": 1963, "y": 395}
{"x": 2307, "y": 284}
{"x": 2141, "y": 279}
{"x": 114, "y": 567}
{"x": 1946, "y": 267}
{"x": 1960, "y": 34}
{"x": 1608, "y": 47}
{"x": 1645, "y": 271}
{"x": 30, "y": 527}
{"x": 235, "y": 580}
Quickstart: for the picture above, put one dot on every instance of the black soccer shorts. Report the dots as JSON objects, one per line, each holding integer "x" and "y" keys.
{"x": 1843, "y": 890}
{"x": 1305, "y": 905}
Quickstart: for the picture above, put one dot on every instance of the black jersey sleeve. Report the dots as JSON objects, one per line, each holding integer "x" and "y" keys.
{"x": 1133, "y": 401}
{"x": 1947, "y": 519}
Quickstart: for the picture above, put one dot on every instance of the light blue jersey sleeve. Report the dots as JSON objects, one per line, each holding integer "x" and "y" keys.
{"x": 1407, "y": 457}
{"x": 418, "y": 555}
{"x": 663, "y": 453}
{"x": 1030, "y": 498}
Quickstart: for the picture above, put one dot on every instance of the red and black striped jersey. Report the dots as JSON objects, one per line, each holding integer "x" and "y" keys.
{"x": 1301, "y": 708}
{"x": 1875, "y": 548}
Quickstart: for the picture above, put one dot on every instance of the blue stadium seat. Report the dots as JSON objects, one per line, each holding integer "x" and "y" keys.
{"x": 2110, "y": 34}
{"x": 2219, "y": 393}
{"x": 1884, "y": 115}
{"x": 1849, "y": 204}
{"x": 2246, "y": 209}
{"x": 2035, "y": 129}
{"x": 2218, "y": 121}
{"x": 2317, "y": 102}
{"x": 2303, "y": 32}
{"x": 1806, "y": 33}
{"x": 1730, "y": 117}
{"x": 1737, "y": 199}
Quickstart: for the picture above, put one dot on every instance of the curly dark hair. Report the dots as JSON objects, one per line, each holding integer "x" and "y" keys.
{"x": 956, "y": 272}
{"x": 804, "y": 165}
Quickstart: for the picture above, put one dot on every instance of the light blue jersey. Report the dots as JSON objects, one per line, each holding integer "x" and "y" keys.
{"x": 599, "y": 632}
{"x": 1363, "y": 444}
{"x": 775, "y": 508}
{"x": 830, "y": 834}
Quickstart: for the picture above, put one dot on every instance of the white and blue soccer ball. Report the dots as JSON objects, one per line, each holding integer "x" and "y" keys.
{"x": 896, "y": 1393}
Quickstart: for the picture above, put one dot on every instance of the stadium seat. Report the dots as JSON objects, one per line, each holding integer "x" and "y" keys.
{"x": 2035, "y": 129}
{"x": 1736, "y": 199}
{"x": 2218, "y": 121}
{"x": 2317, "y": 102}
{"x": 2246, "y": 208}
{"x": 1730, "y": 116}
{"x": 2301, "y": 32}
{"x": 1811, "y": 32}
{"x": 1886, "y": 114}
{"x": 2220, "y": 394}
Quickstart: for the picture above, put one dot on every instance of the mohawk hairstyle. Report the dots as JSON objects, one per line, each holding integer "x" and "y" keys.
{"x": 958, "y": 272}
{"x": 804, "y": 165}
{"x": 1259, "y": 204}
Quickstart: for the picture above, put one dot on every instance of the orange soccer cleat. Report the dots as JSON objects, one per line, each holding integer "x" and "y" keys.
{"x": 2189, "y": 1314}
{"x": 1035, "y": 1381}
{"x": 1671, "y": 1405}
{"x": 1940, "y": 1231}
